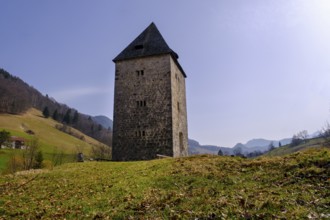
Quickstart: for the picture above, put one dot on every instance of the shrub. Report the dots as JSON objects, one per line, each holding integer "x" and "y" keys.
{"x": 47, "y": 164}
{"x": 15, "y": 163}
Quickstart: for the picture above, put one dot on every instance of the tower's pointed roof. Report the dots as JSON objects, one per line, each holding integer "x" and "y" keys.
{"x": 149, "y": 42}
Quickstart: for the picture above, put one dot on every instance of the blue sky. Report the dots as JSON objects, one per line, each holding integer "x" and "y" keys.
{"x": 256, "y": 68}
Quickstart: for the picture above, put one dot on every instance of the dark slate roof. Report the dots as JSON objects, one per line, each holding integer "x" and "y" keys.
{"x": 150, "y": 42}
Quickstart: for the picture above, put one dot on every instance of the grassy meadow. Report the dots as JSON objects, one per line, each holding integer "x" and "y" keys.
{"x": 295, "y": 186}
{"x": 288, "y": 149}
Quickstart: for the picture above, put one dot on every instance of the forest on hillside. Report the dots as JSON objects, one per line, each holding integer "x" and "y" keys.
{"x": 16, "y": 97}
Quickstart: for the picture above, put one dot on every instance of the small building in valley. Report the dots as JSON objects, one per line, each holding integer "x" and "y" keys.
{"x": 15, "y": 143}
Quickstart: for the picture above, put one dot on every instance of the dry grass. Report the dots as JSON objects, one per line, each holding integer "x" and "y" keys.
{"x": 49, "y": 137}
{"x": 296, "y": 186}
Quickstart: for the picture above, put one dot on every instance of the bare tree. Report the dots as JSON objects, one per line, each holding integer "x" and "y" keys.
{"x": 57, "y": 157}
{"x": 299, "y": 138}
{"x": 14, "y": 164}
{"x": 30, "y": 153}
{"x": 325, "y": 134}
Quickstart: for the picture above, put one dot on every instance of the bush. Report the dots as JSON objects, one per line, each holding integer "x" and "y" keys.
{"x": 47, "y": 164}
{"x": 38, "y": 160}
{"x": 15, "y": 163}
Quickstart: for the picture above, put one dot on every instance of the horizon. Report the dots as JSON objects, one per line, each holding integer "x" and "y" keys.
{"x": 256, "y": 69}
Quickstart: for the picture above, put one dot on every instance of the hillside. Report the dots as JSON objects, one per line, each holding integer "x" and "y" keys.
{"x": 17, "y": 97}
{"x": 106, "y": 122}
{"x": 205, "y": 187}
{"x": 50, "y": 138}
{"x": 287, "y": 149}
{"x": 252, "y": 146}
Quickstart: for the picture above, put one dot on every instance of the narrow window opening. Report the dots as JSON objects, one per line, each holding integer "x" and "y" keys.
{"x": 141, "y": 103}
{"x": 181, "y": 143}
{"x": 178, "y": 107}
{"x": 138, "y": 47}
{"x": 139, "y": 72}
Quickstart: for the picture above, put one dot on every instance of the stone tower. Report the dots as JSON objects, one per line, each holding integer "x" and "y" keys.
{"x": 150, "y": 113}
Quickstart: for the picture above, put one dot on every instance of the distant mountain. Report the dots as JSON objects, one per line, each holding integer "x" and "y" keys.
{"x": 262, "y": 143}
{"x": 254, "y": 145}
{"x": 103, "y": 120}
{"x": 195, "y": 148}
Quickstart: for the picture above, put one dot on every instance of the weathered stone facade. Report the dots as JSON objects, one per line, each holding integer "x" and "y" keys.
{"x": 150, "y": 115}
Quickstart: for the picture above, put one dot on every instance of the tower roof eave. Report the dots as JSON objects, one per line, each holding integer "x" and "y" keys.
{"x": 149, "y": 43}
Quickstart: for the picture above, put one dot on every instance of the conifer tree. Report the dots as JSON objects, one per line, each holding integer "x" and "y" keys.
{"x": 4, "y": 136}
{"x": 45, "y": 112}
{"x": 67, "y": 117}
{"x": 55, "y": 115}
{"x": 75, "y": 117}
{"x": 38, "y": 160}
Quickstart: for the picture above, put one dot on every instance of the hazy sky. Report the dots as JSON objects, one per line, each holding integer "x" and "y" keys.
{"x": 256, "y": 68}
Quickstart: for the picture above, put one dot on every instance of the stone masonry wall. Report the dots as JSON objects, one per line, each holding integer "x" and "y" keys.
{"x": 179, "y": 112}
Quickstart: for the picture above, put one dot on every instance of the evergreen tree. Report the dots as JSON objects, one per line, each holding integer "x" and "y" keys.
{"x": 279, "y": 144}
{"x": 75, "y": 117}
{"x": 45, "y": 112}
{"x": 4, "y": 136}
{"x": 220, "y": 153}
{"x": 38, "y": 160}
{"x": 55, "y": 115}
{"x": 67, "y": 117}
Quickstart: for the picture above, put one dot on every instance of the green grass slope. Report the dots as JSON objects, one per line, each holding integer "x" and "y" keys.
{"x": 49, "y": 137}
{"x": 296, "y": 186}
{"x": 287, "y": 149}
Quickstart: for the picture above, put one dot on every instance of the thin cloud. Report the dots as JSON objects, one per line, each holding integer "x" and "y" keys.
{"x": 66, "y": 95}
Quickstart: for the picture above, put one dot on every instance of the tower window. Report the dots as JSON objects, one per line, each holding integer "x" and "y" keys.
{"x": 138, "y": 47}
{"x": 141, "y": 103}
{"x": 178, "y": 107}
{"x": 140, "y": 72}
{"x": 140, "y": 133}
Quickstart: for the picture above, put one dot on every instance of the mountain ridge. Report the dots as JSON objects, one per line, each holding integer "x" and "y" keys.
{"x": 253, "y": 145}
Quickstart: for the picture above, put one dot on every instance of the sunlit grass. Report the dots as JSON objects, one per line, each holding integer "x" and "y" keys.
{"x": 290, "y": 187}
{"x": 50, "y": 138}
